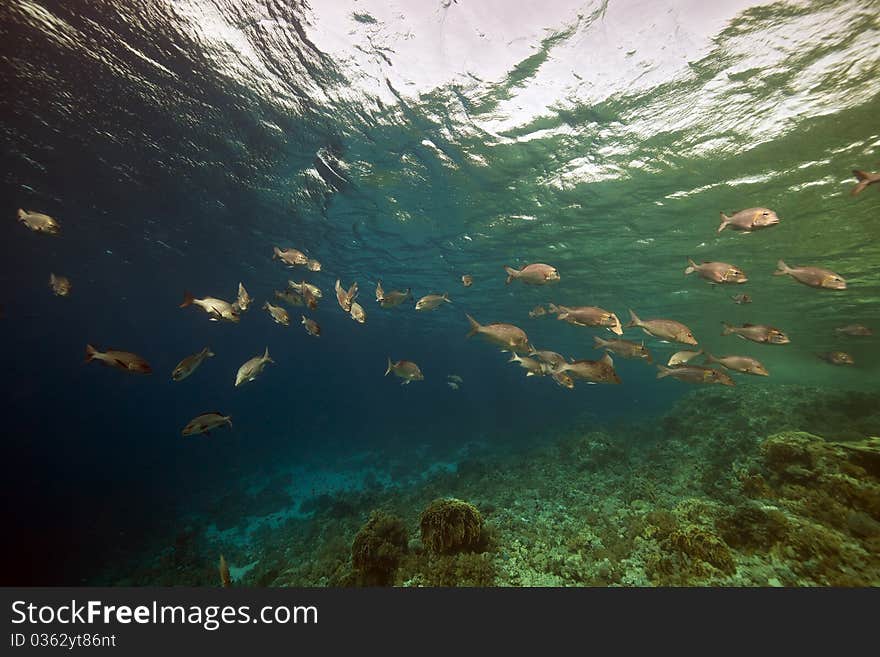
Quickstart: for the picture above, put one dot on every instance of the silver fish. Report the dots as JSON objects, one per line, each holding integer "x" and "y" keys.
{"x": 252, "y": 368}
{"x": 432, "y": 301}
{"x": 665, "y": 329}
{"x": 757, "y": 333}
{"x": 535, "y": 274}
{"x": 217, "y": 309}
{"x": 406, "y": 370}
{"x": 717, "y": 272}
{"x": 38, "y": 222}
{"x": 205, "y": 422}
{"x": 189, "y": 364}
{"x": 812, "y": 276}
{"x": 743, "y": 364}
{"x": 695, "y": 374}
{"x": 506, "y": 336}
{"x": 749, "y": 220}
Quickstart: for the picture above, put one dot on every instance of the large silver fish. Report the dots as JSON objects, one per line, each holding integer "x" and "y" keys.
{"x": 252, "y": 368}
{"x": 39, "y": 222}
{"x": 506, "y": 336}
{"x": 749, "y": 220}
{"x": 665, "y": 329}
{"x": 812, "y": 276}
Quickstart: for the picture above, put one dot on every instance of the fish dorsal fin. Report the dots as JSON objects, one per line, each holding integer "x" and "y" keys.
{"x": 747, "y": 325}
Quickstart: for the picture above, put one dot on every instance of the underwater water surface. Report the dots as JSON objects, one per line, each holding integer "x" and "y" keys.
{"x": 177, "y": 142}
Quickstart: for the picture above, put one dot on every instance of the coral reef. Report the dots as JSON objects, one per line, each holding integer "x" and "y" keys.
{"x": 753, "y": 489}
{"x": 378, "y": 548}
{"x": 451, "y": 525}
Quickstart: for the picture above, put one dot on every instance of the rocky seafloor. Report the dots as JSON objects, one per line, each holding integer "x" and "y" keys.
{"x": 757, "y": 486}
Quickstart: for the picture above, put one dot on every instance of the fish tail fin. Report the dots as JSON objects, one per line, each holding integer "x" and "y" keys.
{"x": 781, "y": 268}
{"x": 511, "y": 274}
{"x": 598, "y": 342}
{"x": 265, "y": 305}
{"x": 727, "y": 330}
{"x": 267, "y": 357}
{"x": 409, "y": 292}
{"x": 475, "y": 326}
{"x": 725, "y": 220}
{"x": 91, "y": 353}
{"x": 552, "y": 308}
{"x": 691, "y": 268}
{"x": 633, "y": 319}
{"x": 709, "y": 358}
{"x": 514, "y": 358}
{"x": 864, "y": 181}
{"x": 663, "y": 371}
{"x": 229, "y": 421}
{"x": 187, "y": 300}
{"x": 388, "y": 371}
{"x": 446, "y": 297}
{"x": 209, "y": 353}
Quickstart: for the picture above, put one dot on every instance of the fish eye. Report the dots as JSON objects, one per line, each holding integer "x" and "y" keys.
{"x": 766, "y": 214}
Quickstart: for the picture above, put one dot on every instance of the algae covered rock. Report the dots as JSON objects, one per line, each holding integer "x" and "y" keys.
{"x": 378, "y": 548}
{"x": 451, "y": 525}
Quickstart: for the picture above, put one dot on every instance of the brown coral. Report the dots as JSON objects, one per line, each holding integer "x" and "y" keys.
{"x": 451, "y": 525}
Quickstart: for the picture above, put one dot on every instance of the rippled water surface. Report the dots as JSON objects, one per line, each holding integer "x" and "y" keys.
{"x": 177, "y": 141}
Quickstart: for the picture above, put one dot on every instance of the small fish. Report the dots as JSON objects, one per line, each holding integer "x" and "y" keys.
{"x": 300, "y": 288}
{"x": 812, "y": 276}
{"x": 563, "y": 379}
{"x": 392, "y": 298}
{"x": 749, "y": 220}
{"x": 854, "y": 330}
{"x": 665, "y": 329}
{"x": 506, "y": 336}
{"x": 682, "y": 357}
{"x": 290, "y": 297}
{"x": 290, "y": 257}
{"x": 467, "y": 280}
{"x": 533, "y": 367}
{"x": 244, "y": 300}
{"x": 756, "y": 333}
{"x": 278, "y": 314}
{"x": 537, "y": 311}
{"x": 406, "y": 370}
{"x": 695, "y": 374}
{"x": 357, "y": 312}
{"x": 535, "y": 274}
{"x": 205, "y": 422}
{"x": 252, "y": 368}
{"x": 310, "y": 299}
{"x": 452, "y": 384}
{"x": 190, "y": 364}
{"x": 551, "y": 358}
{"x": 743, "y": 364}
{"x": 311, "y": 325}
{"x": 837, "y": 358}
{"x": 121, "y": 360}
{"x": 624, "y": 348}
{"x": 598, "y": 371}
{"x": 225, "y": 579}
{"x": 344, "y": 297}
{"x": 217, "y": 309}
{"x": 431, "y": 301}
{"x": 863, "y": 177}
{"x": 39, "y": 222}
{"x": 717, "y": 272}
{"x": 60, "y": 285}
{"x": 740, "y": 299}
{"x": 313, "y": 265}
{"x": 455, "y": 377}
{"x": 587, "y": 316}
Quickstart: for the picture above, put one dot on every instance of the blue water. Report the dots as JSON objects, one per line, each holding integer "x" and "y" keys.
{"x": 176, "y": 147}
